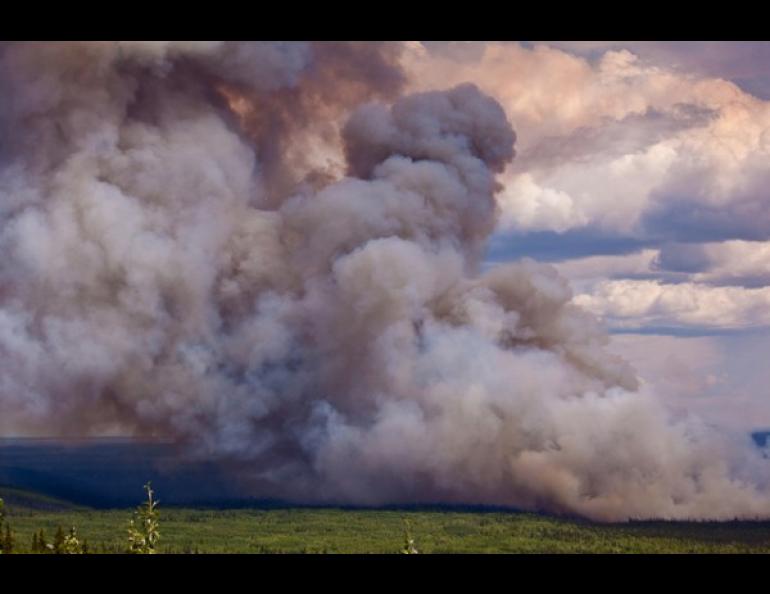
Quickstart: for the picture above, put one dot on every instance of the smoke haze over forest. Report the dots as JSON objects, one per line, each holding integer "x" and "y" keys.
{"x": 381, "y": 272}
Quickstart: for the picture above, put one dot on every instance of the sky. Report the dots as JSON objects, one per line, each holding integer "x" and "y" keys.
{"x": 642, "y": 175}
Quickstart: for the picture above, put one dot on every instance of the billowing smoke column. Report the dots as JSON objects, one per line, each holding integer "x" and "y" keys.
{"x": 180, "y": 258}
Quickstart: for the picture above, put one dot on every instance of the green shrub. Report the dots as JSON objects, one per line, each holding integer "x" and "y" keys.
{"x": 71, "y": 545}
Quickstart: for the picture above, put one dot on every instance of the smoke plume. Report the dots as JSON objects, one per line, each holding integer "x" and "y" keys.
{"x": 271, "y": 254}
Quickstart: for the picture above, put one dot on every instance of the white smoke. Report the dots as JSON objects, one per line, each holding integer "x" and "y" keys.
{"x": 175, "y": 264}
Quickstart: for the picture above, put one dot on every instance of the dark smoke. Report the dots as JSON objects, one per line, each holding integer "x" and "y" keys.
{"x": 264, "y": 251}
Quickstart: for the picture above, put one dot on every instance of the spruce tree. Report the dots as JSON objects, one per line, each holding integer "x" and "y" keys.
{"x": 58, "y": 541}
{"x": 8, "y": 541}
{"x": 42, "y": 543}
{"x": 143, "y": 533}
{"x": 2, "y": 524}
{"x": 409, "y": 547}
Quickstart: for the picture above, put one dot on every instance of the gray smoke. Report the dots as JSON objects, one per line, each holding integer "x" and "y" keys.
{"x": 179, "y": 262}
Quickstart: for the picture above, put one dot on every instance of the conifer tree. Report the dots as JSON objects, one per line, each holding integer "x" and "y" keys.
{"x": 58, "y": 541}
{"x": 143, "y": 533}
{"x": 409, "y": 547}
{"x": 8, "y": 540}
{"x": 42, "y": 544}
{"x": 2, "y": 524}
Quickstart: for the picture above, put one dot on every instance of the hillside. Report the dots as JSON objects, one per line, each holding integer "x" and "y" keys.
{"x": 20, "y": 501}
{"x": 303, "y": 530}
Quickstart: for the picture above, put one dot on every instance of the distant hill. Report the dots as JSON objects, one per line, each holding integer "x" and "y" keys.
{"x": 109, "y": 473}
{"x": 21, "y": 500}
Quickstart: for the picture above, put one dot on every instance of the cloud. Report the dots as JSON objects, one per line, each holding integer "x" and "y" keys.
{"x": 716, "y": 286}
{"x": 641, "y": 151}
{"x": 743, "y": 263}
{"x": 637, "y": 264}
{"x": 719, "y": 378}
{"x": 742, "y": 62}
{"x": 620, "y": 143}
{"x": 637, "y": 303}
